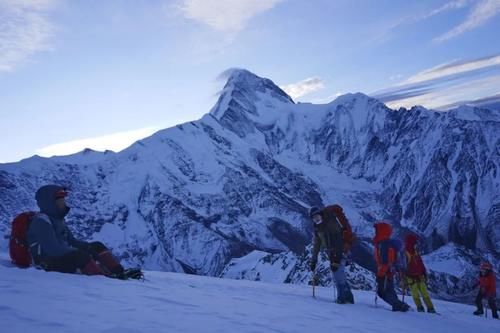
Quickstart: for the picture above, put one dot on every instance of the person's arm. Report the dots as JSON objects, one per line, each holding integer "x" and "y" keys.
{"x": 45, "y": 237}
{"x": 79, "y": 244}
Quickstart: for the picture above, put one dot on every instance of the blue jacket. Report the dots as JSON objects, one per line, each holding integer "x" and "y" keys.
{"x": 48, "y": 234}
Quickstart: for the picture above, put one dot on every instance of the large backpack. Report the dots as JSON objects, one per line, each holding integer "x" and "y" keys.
{"x": 415, "y": 266}
{"x": 348, "y": 236}
{"x": 19, "y": 249}
{"x": 390, "y": 256}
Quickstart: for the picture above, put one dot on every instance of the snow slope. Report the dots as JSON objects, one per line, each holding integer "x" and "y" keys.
{"x": 36, "y": 301}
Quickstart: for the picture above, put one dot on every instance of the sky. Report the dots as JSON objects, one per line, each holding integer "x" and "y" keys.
{"x": 103, "y": 74}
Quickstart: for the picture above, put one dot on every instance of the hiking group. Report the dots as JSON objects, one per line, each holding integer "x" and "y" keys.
{"x": 394, "y": 260}
{"x": 43, "y": 239}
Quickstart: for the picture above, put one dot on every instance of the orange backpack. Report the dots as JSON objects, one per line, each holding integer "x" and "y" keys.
{"x": 337, "y": 213}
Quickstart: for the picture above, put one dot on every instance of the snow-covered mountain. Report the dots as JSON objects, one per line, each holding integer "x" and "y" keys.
{"x": 238, "y": 183}
{"x": 46, "y": 302}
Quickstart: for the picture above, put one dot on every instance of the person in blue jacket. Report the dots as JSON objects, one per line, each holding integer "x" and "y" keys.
{"x": 54, "y": 248}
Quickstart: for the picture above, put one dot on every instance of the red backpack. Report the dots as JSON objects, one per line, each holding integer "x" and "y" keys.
{"x": 19, "y": 249}
{"x": 348, "y": 235}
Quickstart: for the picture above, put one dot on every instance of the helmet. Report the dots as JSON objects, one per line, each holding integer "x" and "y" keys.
{"x": 314, "y": 211}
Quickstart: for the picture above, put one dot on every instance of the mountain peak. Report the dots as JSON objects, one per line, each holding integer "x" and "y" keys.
{"x": 245, "y": 88}
{"x": 354, "y": 97}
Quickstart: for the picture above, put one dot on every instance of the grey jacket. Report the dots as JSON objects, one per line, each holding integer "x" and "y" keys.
{"x": 48, "y": 234}
{"x": 328, "y": 235}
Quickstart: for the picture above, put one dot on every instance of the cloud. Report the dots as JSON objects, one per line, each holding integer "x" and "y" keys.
{"x": 446, "y": 84}
{"x": 442, "y": 98}
{"x": 225, "y": 15}
{"x": 304, "y": 87}
{"x": 24, "y": 30}
{"x": 480, "y": 14}
{"x": 488, "y": 102}
{"x": 413, "y": 19}
{"x": 114, "y": 142}
{"x": 452, "y": 5}
{"x": 454, "y": 67}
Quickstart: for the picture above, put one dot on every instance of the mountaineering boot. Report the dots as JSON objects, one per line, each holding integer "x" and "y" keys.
{"x": 403, "y": 307}
{"x": 478, "y": 312}
{"x": 134, "y": 273}
{"x": 431, "y": 310}
{"x": 420, "y": 309}
{"x": 130, "y": 273}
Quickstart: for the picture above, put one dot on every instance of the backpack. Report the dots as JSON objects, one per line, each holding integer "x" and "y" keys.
{"x": 19, "y": 249}
{"x": 415, "y": 266}
{"x": 389, "y": 254}
{"x": 347, "y": 235}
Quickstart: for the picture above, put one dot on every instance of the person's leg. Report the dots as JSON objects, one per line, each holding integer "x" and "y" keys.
{"x": 104, "y": 256}
{"x": 344, "y": 294}
{"x": 425, "y": 295}
{"x": 386, "y": 291}
{"x": 416, "y": 295}
{"x": 71, "y": 262}
{"x": 493, "y": 306}
{"x": 479, "y": 304}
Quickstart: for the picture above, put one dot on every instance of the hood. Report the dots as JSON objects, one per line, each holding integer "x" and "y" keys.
{"x": 46, "y": 200}
{"x": 410, "y": 242}
{"x": 383, "y": 231}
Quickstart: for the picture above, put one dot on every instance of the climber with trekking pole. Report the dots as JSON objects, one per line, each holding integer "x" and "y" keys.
{"x": 332, "y": 231}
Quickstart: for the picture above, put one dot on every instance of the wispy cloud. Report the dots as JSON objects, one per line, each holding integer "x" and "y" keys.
{"x": 417, "y": 18}
{"x": 446, "y": 84}
{"x": 480, "y": 14}
{"x": 445, "y": 97}
{"x": 225, "y": 15}
{"x": 114, "y": 142}
{"x": 304, "y": 87}
{"x": 24, "y": 30}
{"x": 454, "y": 67}
{"x": 489, "y": 101}
{"x": 452, "y": 5}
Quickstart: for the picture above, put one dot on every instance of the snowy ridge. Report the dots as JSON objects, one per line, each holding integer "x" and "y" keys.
{"x": 194, "y": 197}
{"x": 170, "y": 302}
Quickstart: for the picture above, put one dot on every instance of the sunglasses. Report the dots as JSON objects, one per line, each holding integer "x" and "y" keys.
{"x": 61, "y": 194}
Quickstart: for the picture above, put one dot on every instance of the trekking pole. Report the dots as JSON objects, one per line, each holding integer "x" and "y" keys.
{"x": 403, "y": 286}
{"x": 376, "y": 295}
{"x": 485, "y": 309}
{"x": 314, "y": 283}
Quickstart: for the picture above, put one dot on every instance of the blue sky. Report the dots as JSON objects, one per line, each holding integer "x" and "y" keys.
{"x": 102, "y": 74}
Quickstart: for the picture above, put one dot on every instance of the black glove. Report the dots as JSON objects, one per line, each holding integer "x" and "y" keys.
{"x": 312, "y": 265}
